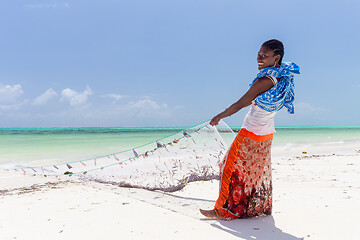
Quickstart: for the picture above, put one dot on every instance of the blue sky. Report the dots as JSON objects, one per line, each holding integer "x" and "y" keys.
{"x": 171, "y": 62}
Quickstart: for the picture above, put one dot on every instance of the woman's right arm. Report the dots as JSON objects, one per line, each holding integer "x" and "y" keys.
{"x": 260, "y": 86}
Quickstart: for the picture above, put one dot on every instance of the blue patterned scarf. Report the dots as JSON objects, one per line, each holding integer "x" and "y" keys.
{"x": 282, "y": 94}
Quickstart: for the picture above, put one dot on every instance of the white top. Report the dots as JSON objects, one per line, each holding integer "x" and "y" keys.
{"x": 259, "y": 121}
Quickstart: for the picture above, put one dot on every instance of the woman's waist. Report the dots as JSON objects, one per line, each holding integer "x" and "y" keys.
{"x": 258, "y": 116}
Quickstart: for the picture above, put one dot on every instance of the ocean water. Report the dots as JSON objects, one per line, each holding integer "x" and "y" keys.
{"x": 42, "y": 146}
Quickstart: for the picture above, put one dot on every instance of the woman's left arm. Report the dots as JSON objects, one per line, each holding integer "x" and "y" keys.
{"x": 260, "y": 86}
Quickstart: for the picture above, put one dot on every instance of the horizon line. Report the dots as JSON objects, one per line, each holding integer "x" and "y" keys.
{"x": 182, "y": 127}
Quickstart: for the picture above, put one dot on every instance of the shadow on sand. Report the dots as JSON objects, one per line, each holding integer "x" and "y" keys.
{"x": 255, "y": 228}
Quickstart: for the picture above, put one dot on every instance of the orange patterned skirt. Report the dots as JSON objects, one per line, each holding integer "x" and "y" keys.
{"x": 245, "y": 184}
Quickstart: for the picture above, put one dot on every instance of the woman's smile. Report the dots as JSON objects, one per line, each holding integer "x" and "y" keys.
{"x": 266, "y": 58}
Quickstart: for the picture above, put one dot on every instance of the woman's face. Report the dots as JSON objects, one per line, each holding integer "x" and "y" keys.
{"x": 266, "y": 58}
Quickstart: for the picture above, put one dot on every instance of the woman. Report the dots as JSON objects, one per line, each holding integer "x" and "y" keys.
{"x": 245, "y": 184}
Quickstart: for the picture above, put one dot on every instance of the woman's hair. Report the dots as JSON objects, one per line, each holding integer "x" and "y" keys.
{"x": 276, "y": 46}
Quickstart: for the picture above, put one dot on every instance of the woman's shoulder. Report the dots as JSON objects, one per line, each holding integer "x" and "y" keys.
{"x": 275, "y": 80}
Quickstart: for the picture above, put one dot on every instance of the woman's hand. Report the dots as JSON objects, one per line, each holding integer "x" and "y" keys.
{"x": 215, "y": 120}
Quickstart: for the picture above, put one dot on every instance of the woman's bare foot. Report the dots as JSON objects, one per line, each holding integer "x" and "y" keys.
{"x": 210, "y": 214}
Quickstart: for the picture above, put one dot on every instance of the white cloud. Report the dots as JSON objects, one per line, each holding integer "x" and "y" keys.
{"x": 11, "y": 97}
{"x": 45, "y": 97}
{"x": 142, "y": 106}
{"x": 74, "y": 98}
{"x": 145, "y": 104}
{"x": 146, "y": 108}
{"x": 14, "y": 106}
{"x": 140, "y": 110}
{"x": 179, "y": 107}
{"x": 116, "y": 97}
{"x": 10, "y": 94}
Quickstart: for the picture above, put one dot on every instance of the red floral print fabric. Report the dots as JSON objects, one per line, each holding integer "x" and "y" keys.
{"x": 246, "y": 185}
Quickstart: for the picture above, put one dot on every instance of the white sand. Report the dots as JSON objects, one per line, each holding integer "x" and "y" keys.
{"x": 316, "y": 196}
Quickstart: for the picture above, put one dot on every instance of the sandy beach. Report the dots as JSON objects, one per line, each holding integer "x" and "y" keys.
{"x": 316, "y": 193}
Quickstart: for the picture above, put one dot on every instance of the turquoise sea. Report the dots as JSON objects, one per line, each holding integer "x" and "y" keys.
{"x": 41, "y": 146}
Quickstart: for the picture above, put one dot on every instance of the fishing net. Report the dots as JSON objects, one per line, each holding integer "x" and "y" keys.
{"x": 167, "y": 164}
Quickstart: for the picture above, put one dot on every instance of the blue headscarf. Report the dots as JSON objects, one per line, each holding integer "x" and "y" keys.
{"x": 282, "y": 94}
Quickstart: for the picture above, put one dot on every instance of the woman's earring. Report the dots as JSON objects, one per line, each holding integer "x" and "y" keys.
{"x": 275, "y": 64}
